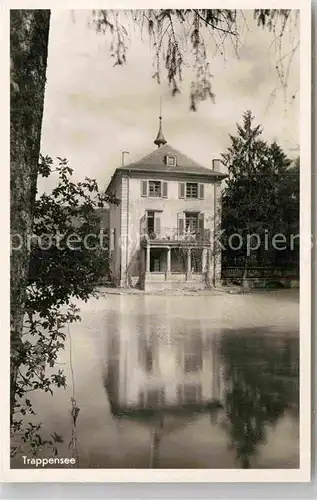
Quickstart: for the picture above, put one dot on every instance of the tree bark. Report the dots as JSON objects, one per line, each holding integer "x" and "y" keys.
{"x": 29, "y": 31}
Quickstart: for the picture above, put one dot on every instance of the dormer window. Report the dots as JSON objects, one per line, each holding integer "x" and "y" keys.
{"x": 171, "y": 161}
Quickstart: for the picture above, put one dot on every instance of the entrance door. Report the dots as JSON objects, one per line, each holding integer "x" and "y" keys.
{"x": 158, "y": 260}
{"x": 155, "y": 262}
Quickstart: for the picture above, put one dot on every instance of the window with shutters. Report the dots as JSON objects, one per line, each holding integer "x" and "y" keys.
{"x": 191, "y": 222}
{"x": 155, "y": 189}
{"x": 191, "y": 190}
{"x": 150, "y": 222}
{"x": 153, "y": 223}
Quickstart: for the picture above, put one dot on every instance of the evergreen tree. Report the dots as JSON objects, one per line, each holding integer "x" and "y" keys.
{"x": 260, "y": 199}
{"x": 243, "y": 214}
{"x": 288, "y": 198}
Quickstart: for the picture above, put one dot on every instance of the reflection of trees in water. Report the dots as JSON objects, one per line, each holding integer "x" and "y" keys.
{"x": 263, "y": 381}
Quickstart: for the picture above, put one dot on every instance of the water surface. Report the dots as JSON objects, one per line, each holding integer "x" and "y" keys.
{"x": 182, "y": 382}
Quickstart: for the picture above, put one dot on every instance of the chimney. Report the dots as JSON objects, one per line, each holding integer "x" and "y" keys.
{"x": 217, "y": 165}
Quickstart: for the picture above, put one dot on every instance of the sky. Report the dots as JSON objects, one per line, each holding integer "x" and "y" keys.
{"x": 94, "y": 111}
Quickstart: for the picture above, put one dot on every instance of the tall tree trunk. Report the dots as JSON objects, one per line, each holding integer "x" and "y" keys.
{"x": 244, "y": 281}
{"x": 29, "y": 31}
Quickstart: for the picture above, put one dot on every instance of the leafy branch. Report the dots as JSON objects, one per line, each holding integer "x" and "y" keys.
{"x": 182, "y": 38}
{"x": 57, "y": 273}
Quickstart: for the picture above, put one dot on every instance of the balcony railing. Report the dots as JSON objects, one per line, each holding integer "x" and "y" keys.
{"x": 173, "y": 234}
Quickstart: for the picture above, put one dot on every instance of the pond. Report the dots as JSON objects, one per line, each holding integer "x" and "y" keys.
{"x": 206, "y": 381}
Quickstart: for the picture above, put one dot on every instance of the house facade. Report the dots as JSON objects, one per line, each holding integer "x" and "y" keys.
{"x": 162, "y": 232}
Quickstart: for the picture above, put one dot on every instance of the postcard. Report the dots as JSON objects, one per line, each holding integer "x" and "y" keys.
{"x": 160, "y": 242}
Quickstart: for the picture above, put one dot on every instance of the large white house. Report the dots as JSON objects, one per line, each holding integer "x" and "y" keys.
{"x": 162, "y": 234}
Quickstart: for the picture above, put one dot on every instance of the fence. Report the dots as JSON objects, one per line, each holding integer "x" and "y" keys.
{"x": 260, "y": 273}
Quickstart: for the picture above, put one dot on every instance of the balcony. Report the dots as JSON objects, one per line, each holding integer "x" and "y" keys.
{"x": 168, "y": 235}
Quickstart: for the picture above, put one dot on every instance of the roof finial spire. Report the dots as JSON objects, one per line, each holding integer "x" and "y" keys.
{"x": 160, "y": 139}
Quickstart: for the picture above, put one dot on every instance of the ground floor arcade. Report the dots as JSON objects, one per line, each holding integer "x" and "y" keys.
{"x": 168, "y": 267}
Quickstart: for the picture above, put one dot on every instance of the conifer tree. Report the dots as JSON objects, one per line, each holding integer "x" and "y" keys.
{"x": 246, "y": 160}
{"x": 260, "y": 199}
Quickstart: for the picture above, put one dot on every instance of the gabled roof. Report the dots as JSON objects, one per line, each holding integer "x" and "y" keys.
{"x": 155, "y": 162}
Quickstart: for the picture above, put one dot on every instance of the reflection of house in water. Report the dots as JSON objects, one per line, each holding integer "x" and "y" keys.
{"x": 150, "y": 367}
